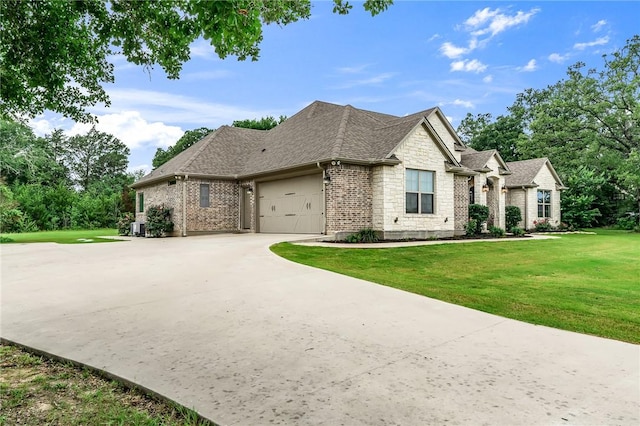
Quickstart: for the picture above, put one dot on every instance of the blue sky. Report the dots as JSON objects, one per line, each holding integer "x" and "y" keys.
{"x": 461, "y": 56}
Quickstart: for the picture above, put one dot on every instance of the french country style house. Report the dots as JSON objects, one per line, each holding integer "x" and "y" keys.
{"x": 335, "y": 170}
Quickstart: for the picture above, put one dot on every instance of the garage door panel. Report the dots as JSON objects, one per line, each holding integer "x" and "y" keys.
{"x": 291, "y": 205}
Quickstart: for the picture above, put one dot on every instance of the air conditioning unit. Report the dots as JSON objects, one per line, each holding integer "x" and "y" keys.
{"x": 137, "y": 229}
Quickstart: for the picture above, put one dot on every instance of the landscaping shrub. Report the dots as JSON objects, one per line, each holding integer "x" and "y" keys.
{"x": 480, "y": 214}
{"x": 496, "y": 231}
{"x": 366, "y": 235}
{"x": 158, "y": 221}
{"x": 517, "y": 232}
{"x": 512, "y": 216}
{"x": 124, "y": 223}
{"x": 627, "y": 222}
{"x": 542, "y": 225}
{"x": 471, "y": 226}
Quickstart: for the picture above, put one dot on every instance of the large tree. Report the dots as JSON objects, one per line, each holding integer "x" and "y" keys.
{"x": 589, "y": 119}
{"x": 56, "y": 55}
{"x": 189, "y": 138}
{"x": 95, "y": 157}
{"x": 482, "y": 133}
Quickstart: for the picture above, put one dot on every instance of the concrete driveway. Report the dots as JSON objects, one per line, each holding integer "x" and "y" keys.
{"x": 219, "y": 324}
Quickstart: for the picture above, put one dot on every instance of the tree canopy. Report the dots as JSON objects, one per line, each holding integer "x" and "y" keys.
{"x": 57, "y": 55}
{"x": 265, "y": 123}
{"x": 189, "y": 138}
{"x": 587, "y": 125}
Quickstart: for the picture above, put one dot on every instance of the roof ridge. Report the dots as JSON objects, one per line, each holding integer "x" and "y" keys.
{"x": 341, "y": 131}
{"x": 206, "y": 143}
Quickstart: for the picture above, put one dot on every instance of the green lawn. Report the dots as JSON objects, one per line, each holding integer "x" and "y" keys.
{"x": 62, "y": 237}
{"x": 579, "y": 282}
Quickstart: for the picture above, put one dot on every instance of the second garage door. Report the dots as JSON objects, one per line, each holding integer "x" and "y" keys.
{"x": 291, "y": 206}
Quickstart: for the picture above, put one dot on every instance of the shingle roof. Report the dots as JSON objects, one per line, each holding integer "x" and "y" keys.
{"x": 524, "y": 172}
{"x": 320, "y": 132}
{"x": 477, "y": 160}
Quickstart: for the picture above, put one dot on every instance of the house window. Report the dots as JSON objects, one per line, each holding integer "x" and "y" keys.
{"x": 204, "y": 195}
{"x": 141, "y": 202}
{"x": 419, "y": 192}
{"x": 544, "y": 203}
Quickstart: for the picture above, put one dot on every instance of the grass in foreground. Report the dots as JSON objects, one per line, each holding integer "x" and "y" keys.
{"x": 583, "y": 283}
{"x": 37, "y": 391}
{"x": 62, "y": 237}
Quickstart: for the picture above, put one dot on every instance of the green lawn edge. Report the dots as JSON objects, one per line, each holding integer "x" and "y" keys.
{"x": 82, "y": 236}
{"x": 587, "y": 283}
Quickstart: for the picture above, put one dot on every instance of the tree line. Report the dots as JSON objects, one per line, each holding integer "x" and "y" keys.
{"x": 61, "y": 182}
{"x": 588, "y": 125}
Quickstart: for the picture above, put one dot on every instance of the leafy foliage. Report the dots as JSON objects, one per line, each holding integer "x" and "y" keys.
{"x": 496, "y": 231}
{"x": 159, "y": 222}
{"x": 482, "y": 134}
{"x": 480, "y": 214}
{"x": 56, "y": 55}
{"x": 366, "y": 235}
{"x": 124, "y": 223}
{"x": 542, "y": 225}
{"x": 471, "y": 227}
{"x": 579, "y": 203}
{"x": 517, "y": 232}
{"x": 189, "y": 138}
{"x": 265, "y": 123}
{"x": 512, "y": 216}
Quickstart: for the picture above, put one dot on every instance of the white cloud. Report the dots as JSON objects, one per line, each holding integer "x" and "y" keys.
{"x": 133, "y": 130}
{"x": 466, "y": 104}
{"x": 451, "y": 51}
{"x": 145, "y": 168}
{"x": 598, "y": 42}
{"x": 170, "y": 108}
{"x": 352, "y": 70}
{"x": 434, "y": 37}
{"x": 558, "y": 58}
{"x": 493, "y": 22}
{"x": 488, "y": 79}
{"x": 598, "y": 25}
{"x": 203, "y": 49}
{"x": 531, "y": 66}
{"x": 473, "y": 65}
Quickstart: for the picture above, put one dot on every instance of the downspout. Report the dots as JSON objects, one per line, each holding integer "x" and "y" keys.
{"x": 324, "y": 199}
{"x": 184, "y": 205}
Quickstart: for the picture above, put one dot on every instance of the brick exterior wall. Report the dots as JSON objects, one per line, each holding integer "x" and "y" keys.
{"x": 349, "y": 198}
{"x": 164, "y": 194}
{"x": 460, "y": 203}
{"x": 224, "y": 206}
{"x": 252, "y": 210}
{"x": 221, "y": 215}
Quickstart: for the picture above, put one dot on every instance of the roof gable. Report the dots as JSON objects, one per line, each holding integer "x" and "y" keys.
{"x": 523, "y": 173}
{"x": 478, "y": 161}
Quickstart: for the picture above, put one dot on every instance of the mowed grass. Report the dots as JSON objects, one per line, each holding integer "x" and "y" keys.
{"x": 579, "y": 282}
{"x": 38, "y": 391}
{"x": 62, "y": 237}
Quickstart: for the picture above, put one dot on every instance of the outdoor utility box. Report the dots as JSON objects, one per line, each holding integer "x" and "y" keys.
{"x": 137, "y": 229}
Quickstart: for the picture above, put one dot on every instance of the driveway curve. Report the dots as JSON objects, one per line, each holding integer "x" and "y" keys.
{"x": 221, "y": 325}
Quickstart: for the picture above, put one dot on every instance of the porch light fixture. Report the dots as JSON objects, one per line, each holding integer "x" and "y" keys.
{"x": 505, "y": 189}
{"x": 250, "y": 190}
{"x": 485, "y": 188}
{"x": 326, "y": 179}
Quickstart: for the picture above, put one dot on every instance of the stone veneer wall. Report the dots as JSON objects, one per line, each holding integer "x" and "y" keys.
{"x": 418, "y": 151}
{"x": 348, "y": 199}
{"x": 162, "y": 194}
{"x": 460, "y": 203}
{"x": 516, "y": 197}
{"x": 223, "y": 212}
{"x": 546, "y": 181}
